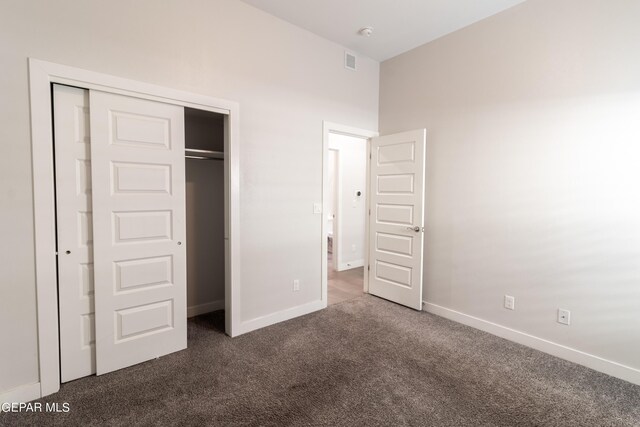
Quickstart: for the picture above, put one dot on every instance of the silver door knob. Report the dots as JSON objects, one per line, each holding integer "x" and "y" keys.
{"x": 416, "y": 229}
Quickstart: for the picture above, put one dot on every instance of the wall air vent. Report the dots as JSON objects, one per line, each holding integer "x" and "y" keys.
{"x": 350, "y": 61}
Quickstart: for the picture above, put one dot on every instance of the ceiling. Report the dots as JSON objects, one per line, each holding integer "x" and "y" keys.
{"x": 399, "y": 25}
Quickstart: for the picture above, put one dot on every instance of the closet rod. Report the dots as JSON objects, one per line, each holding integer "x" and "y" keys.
{"x": 202, "y": 158}
{"x": 193, "y": 153}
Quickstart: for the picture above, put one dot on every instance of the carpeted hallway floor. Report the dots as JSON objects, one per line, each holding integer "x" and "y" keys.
{"x": 363, "y": 362}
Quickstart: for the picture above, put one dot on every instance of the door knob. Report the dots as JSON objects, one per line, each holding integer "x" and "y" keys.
{"x": 416, "y": 229}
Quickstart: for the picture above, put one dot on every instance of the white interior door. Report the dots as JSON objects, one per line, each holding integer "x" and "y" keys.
{"x": 396, "y": 229}
{"x": 74, "y": 232}
{"x": 138, "y": 171}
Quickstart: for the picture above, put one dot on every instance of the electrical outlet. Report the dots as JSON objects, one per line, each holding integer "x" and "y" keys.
{"x": 564, "y": 316}
{"x": 353, "y": 248}
{"x": 509, "y": 302}
{"x": 296, "y": 285}
{"x": 317, "y": 208}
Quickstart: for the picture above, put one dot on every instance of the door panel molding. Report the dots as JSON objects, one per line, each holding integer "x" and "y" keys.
{"x": 133, "y": 327}
{"x": 74, "y": 232}
{"x": 397, "y": 217}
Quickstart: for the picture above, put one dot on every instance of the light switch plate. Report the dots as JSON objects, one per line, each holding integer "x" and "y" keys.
{"x": 317, "y": 208}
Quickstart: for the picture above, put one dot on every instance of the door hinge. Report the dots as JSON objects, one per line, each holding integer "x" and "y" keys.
{"x": 369, "y": 211}
{"x": 368, "y": 268}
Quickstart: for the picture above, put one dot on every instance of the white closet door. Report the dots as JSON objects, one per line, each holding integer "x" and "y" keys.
{"x": 75, "y": 228}
{"x": 397, "y": 217}
{"x": 138, "y": 170}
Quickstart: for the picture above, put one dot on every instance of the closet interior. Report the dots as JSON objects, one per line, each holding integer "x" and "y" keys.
{"x": 204, "y": 152}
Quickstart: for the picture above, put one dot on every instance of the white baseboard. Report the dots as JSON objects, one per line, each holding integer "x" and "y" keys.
{"x": 25, "y": 393}
{"x": 280, "y": 316}
{"x": 351, "y": 264}
{"x": 596, "y": 363}
{"x": 196, "y": 310}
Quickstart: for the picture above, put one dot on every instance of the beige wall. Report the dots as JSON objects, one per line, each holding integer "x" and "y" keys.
{"x": 533, "y": 176}
{"x": 286, "y": 80}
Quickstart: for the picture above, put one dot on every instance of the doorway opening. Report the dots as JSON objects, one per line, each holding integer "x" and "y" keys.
{"x": 205, "y": 212}
{"x": 346, "y": 217}
{"x": 345, "y": 253}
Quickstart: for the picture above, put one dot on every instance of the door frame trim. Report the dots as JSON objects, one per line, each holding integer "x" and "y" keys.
{"x": 41, "y": 75}
{"x": 328, "y": 128}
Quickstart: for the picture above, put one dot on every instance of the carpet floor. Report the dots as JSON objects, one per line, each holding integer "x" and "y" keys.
{"x": 363, "y": 362}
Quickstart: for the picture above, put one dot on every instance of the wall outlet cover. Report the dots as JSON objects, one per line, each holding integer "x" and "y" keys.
{"x": 564, "y": 316}
{"x": 509, "y": 302}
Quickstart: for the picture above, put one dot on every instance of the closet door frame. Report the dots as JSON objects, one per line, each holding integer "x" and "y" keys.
{"x": 42, "y": 75}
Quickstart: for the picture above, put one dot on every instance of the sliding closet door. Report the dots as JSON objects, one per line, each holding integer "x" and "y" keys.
{"x": 74, "y": 231}
{"x": 137, "y": 151}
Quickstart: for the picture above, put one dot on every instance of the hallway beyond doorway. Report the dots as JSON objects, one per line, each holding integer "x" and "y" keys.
{"x": 344, "y": 285}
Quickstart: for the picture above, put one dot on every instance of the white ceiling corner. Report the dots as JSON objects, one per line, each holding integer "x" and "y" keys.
{"x": 399, "y": 25}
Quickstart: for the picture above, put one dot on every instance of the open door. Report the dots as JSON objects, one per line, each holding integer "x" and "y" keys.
{"x": 396, "y": 226}
{"x": 138, "y": 174}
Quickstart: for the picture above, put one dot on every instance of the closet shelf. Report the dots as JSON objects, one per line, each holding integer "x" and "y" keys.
{"x": 193, "y": 153}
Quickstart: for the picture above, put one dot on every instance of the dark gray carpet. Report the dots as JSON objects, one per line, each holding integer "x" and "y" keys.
{"x": 364, "y": 362}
